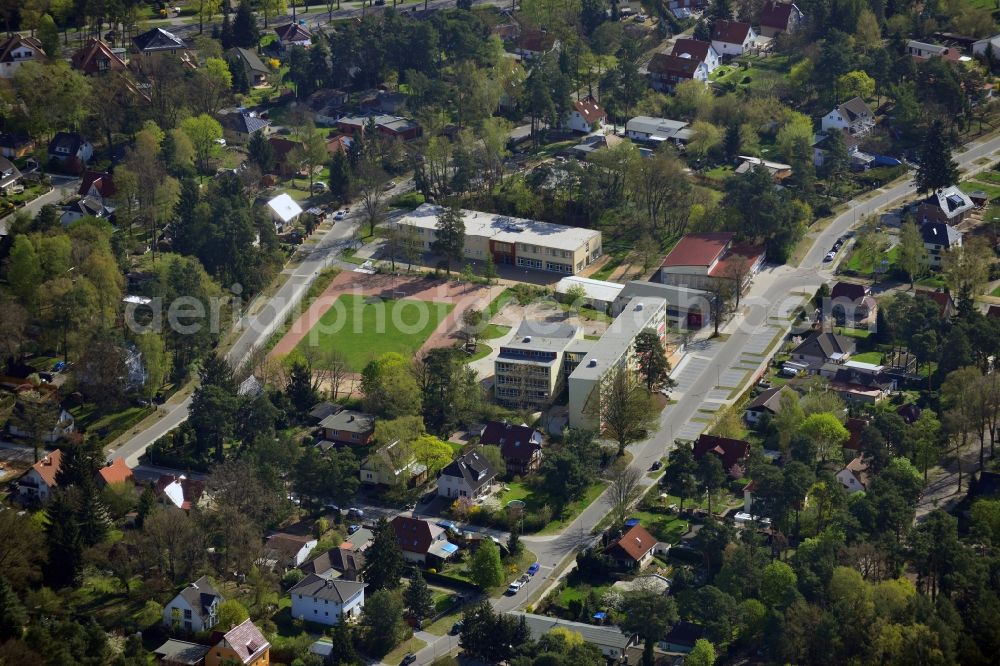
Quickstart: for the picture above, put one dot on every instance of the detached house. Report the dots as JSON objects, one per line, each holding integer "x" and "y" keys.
{"x": 240, "y": 126}
{"x": 855, "y": 477}
{"x": 949, "y": 205}
{"x": 284, "y": 212}
{"x": 853, "y": 116}
{"x": 695, "y": 49}
{"x": 244, "y": 644}
{"x": 39, "y": 481}
{"x": 422, "y": 542}
{"x": 779, "y": 17}
{"x": 98, "y": 185}
{"x": 822, "y": 347}
{"x": 468, "y": 476}
{"x": 520, "y": 446}
{"x": 766, "y": 403}
{"x": 96, "y": 57}
{"x": 851, "y": 302}
{"x": 17, "y": 50}
{"x": 732, "y": 38}
{"x": 289, "y": 550}
{"x": 325, "y": 599}
{"x": 532, "y": 44}
{"x": 343, "y": 561}
{"x": 256, "y": 71}
{"x": 391, "y": 465}
{"x": 195, "y": 608}
{"x": 10, "y": 175}
{"x": 293, "y": 34}
{"x": 667, "y": 70}
{"x": 116, "y": 472}
{"x": 586, "y": 116}
{"x": 633, "y": 549}
{"x": 731, "y": 452}
{"x": 154, "y": 45}
{"x": 16, "y": 145}
{"x": 349, "y": 427}
{"x": 179, "y": 492}
{"x": 939, "y": 237}
{"x": 70, "y": 151}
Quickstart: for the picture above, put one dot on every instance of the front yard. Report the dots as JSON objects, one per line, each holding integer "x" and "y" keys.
{"x": 537, "y": 501}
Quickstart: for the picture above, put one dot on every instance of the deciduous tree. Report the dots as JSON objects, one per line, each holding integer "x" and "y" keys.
{"x": 624, "y": 407}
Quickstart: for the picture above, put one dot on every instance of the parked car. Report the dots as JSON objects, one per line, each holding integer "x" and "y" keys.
{"x": 355, "y": 512}
{"x": 351, "y": 529}
{"x": 513, "y": 588}
{"x": 657, "y": 464}
{"x": 319, "y": 187}
{"x": 409, "y": 657}
{"x": 339, "y": 215}
{"x": 830, "y": 256}
{"x": 523, "y": 579}
{"x": 533, "y": 569}
{"x": 388, "y": 186}
{"x": 456, "y": 628}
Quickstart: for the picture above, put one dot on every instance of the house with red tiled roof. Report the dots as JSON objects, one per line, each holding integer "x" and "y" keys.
{"x": 99, "y": 185}
{"x": 633, "y": 549}
{"x": 520, "y": 446}
{"x": 422, "y": 542}
{"x": 731, "y": 452}
{"x": 293, "y": 34}
{"x": 667, "y": 70}
{"x": 696, "y": 49}
{"x": 946, "y": 304}
{"x": 532, "y": 44}
{"x": 585, "y": 116}
{"x": 179, "y": 491}
{"x": 39, "y": 481}
{"x": 96, "y": 57}
{"x": 289, "y": 551}
{"x": 698, "y": 259}
{"x": 779, "y": 17}
{"x": 852, "y": 302}
{"x": 116, "y": 472}
{"x": 732, "y": 38}
{"x": 243, "y": 644}
{"x": 282, "y": 149}
{"x": 17, "y": 50}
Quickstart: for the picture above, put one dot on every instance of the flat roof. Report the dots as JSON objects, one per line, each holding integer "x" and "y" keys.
{"x": 506, "y": 229}
{"x": 637, "y": 316}
{"x": 598, "y": 290}
{"x": 608, "y": 636}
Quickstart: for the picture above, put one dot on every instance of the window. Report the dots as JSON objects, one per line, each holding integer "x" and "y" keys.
{"x": 187, "y": 614}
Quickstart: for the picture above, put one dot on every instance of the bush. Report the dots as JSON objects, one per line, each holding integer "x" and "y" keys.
{"x": 409, "y": 200}
{"x": 292, "y": 577}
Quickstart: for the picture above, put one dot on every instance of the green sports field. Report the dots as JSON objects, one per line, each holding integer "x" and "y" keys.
{"x": 362, "y": 328}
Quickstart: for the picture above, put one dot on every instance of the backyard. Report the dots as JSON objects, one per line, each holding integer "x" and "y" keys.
{"x": 361, "y": 329}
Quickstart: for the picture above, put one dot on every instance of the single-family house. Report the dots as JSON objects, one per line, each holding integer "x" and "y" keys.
{"x": 520, "y": 446}
{"x": 732, "y": 38}
{"x": 349, "y": 427}
{"x": 778, "y": 17}
{"x": 116, "y": 472}
{"x": 393, "y": 127}
{"x": 854, "y": 477}
{"x": 421, "y": 541}
{"x": 244, "y": 645}
{"x": 323, "y": 409}
{"x": 180, "y": 492}
{"x": 682, "y": 637}
{"x": 181, "y": 653}
{"x": 947, "y": 204}
{"x": 328, "y": 600}
{"x": 608, "y": 639}
{"x": 821, "y": 147}
{"x": 392, "y": 465}
{"x": 384, "y": 101}
{"x": 532, "y": 44}
{"x": 70, "y": 152}
{"x": 909, "y": 412}
{"x": 922, "y": 51}
{"x": 731, "y": 452}
{"x": 289, "y": 551}
{"x": 98, "y": 185}
{"x": 293, "y": 34}
{"x": 284, "y": 150}
{"x": 633, "y": 549}
{"x": 766, "y": 403}
{"x": 240, "y": 125}
{"x": 698, "y": 50}
{"x": 855, "y": 426}
{"x": 256, "y": 71}
{"x": 467, "y": 476}
{"x": 97, "y": 57}
{"x": 16, "y": 144}
{"x": 777, "y": 170}
{"x": 10, "y": 175}
{"x": 853, "y": 115}
{"x": 939, "y": 237}
{"x": 851, "y": 302}
{"x": 657, "y": 130}
{"x": 585, "y": 116}
{"x": 683, "y": 9}
{"x": 989, "y": 45}
{"x": 16, "y": 50}
{"x": 195, "y": 608}
{"x": 346, "y": 562}
{"x": 38, "y": 482}
{"x": 339, "y": 143}
{"x": 326, "y": 105}
{"x": 946, "y": 304}
{"x": 284, "y": 211}
{"x": 862, "y": 383}
{"x": 822, "y": 347}
{"x": 666, "y": 70}
{"x": 698, "y": 260}
{"x": 63, "y": 427}
{"x": 84, "y": 207}
{"x": 156, "y": 44}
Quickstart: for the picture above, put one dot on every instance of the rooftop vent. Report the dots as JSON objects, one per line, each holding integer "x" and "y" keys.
{"x": 638, "y": 307}
{"x": 593, "y": 363}
{"x": 526, "y": 338}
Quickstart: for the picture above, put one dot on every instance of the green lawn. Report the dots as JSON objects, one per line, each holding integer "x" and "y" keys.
{"x": 996, "y": 292}
{"x": 860, "y": 333}
{"x": 497, "y": 304}
{"x": 362, "y": 331}
{"x": 482, "y": 351}
{"x": 856, "y": 263}
{"x": 936, "y": 281}
{"x": 868, "y": 357}
{"x": 535, "y": 500}
{"x": 412, "y": 644}
{"x": 719, "y": 173}
{"x": 494, "y": 331}
{"x": 969, "y": 186}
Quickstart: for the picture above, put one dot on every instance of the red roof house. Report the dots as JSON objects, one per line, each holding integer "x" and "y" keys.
{"x": 699, "y": 258}
{"x": 520, "y": 446}
{"x": 730, "y": 451}
{"x": 633, "y": 549}
{"x": 96, "y": 57}
{"x": 116, "y": 472}
{"x": 779, "y": 17}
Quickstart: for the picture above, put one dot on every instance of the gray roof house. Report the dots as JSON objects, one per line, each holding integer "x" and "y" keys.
{"x": 349, "y": 427}
{"x": 9, "y": 175}
{"x": 609, "y": 639}
{"x": 939, "y": 237}
{"x": 327, "y": 600}
{"x": 822, "y": 347}
{"x": 255, "y": 68}
{"x": 347, "y": 562}
{"x": 468, "y": 476}
{"x": 766, "y": 402}
{"x": 195, "y": 608}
